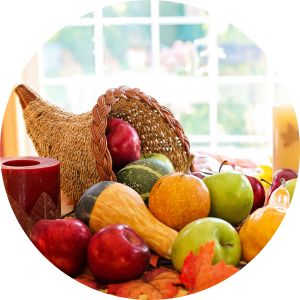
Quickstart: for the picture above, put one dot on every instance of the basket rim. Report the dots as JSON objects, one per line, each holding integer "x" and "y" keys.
{"x": 100, "y": 114}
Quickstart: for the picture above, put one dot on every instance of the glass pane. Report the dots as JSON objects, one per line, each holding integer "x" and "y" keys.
{"x": 127, "y": 47}
{"x": 183, "y": 49}
{"x": 77, "y": 96}
{"x": 196, "y": 120}
{"x": 57, "y": 95}
{"x": 241, "y": 56}
{"x": 128, "y": 9}
{"x": 243, "y": 109}
{"x": 170, "y": 9}
{"x": 281, "y": 94}
{"x": 89, "y": 15}
{"x": 70, "y": 52}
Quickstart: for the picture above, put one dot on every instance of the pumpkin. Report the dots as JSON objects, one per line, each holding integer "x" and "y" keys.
{"x": 142, "y": 174}
{"x": 111, "y": 202}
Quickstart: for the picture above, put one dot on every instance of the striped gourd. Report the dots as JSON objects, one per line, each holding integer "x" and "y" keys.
{"x": 142, "y": 174}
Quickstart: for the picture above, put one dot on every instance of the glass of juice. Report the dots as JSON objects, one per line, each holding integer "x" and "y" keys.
{"x": 286, "y": 148}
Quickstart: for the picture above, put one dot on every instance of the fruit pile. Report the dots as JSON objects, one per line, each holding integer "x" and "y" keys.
{"x": 157, "y": 233}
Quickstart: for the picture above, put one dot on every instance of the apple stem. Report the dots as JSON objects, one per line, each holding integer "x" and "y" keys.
{"x": 208, "y": 173}
{"x": 188, "y": 164}
{"x": 263, "y": 180}
{"x": 225, "y": 162}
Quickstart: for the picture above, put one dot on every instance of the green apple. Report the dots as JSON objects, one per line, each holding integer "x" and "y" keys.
{"x": 204, "y": 230}
{"x": 231, "y": 196}
{"x": 290, "y": 186}
{"x": 161, "y": 157}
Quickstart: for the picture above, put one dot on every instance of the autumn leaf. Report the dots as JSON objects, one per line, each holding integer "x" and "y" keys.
{"x": 45, "y": 208}
{"x": 198, "y": 272}
{"x": 159, "y": 283}
{"x": 134, "y": 290}
{"x": 88, "y": 281}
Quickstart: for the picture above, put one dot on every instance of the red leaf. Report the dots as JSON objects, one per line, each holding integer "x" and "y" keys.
{"x": 198, "y": 272}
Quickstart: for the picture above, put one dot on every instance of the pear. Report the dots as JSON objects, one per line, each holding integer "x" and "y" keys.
{"x": 290, "y": 186}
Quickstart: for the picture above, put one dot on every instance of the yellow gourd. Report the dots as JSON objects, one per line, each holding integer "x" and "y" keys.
{"x": 280, "y": 197}
{"x": 110, "y": 202}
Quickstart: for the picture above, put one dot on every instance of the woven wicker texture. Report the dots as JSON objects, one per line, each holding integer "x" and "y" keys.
{"x": 79, "y": 141}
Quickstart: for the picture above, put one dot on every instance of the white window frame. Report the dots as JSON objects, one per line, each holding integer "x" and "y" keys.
{"x": 212, "y": 80}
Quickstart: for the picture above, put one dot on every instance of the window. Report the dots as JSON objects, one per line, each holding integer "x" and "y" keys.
{"x": 217, "y": 82}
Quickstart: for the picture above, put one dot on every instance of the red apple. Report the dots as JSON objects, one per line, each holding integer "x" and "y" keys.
{"x": 123, "y": 143}
{"x": 280, "y": 174}
{"x": 258, "y": 193}
{"x": 63, "y": 242}
{"x": 116, "y": 253}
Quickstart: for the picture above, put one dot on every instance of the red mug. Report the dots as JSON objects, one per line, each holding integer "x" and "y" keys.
{"x": 32, "y": 185}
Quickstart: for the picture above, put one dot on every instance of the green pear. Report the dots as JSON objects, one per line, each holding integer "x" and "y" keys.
{"x": 231, "y": 196}
{"x": 290, "y": 186}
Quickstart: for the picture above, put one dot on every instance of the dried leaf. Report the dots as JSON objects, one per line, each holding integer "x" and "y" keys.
{"x": 134, "y": 290}
{"x": 160, "y": 283}
{"x": 45, "y": 208}
{"x": 88, "y": 281}
{"x": 198, "y": 272}
{"x": 165, "y": 280}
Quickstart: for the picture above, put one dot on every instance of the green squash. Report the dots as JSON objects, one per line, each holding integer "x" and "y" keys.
{"x": 142, "y": 174}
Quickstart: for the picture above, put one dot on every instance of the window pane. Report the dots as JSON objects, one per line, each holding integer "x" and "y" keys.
{"x": 58, "y": 95}
{"x": 128, "y": 9}
{"x": 127, "y": 47}
{"x": 77, "y": 96}
{"x": 170, "y": 9}
{"x": 89, "y": 15}
{"x": 183, "y": 49}
{"x": 240, "y": 55}
{"x": 70, "y": 52}
{"x": 243, "y": 109}
{"x": 196, "y": 120}
{"x": 281, "y": 94}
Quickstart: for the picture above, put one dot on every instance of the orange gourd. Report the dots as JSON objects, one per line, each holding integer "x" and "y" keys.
{"x": 260, "y": 226}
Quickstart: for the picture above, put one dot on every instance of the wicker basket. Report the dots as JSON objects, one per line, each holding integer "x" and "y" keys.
{"x": 79, "y": 141}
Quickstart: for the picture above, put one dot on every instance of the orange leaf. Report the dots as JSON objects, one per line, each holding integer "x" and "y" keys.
{"x": 198, "y": 272}
{"x": 134, "y": 289}
{"x": 154, "y": 260}
{"x": 159, "y": 283}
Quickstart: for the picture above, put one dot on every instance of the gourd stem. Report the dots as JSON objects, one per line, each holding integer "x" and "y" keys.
{"x": 187, "y": 166}
{"x": 283, "y": 182}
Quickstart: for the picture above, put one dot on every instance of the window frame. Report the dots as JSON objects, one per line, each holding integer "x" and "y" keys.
{"x": 213, "y": 79}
